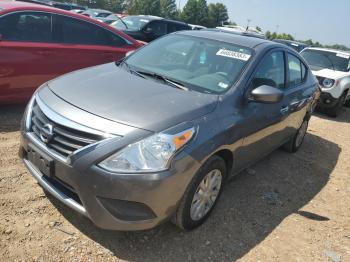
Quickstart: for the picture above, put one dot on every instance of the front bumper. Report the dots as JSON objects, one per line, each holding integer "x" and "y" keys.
{"x": 327, "y": 100}
{"x": 123, "y": 202}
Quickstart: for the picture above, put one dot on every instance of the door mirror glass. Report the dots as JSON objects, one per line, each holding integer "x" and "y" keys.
{"x": 266, "y": 94}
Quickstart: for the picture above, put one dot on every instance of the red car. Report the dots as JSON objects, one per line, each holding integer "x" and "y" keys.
{"x": 39, "y": 43}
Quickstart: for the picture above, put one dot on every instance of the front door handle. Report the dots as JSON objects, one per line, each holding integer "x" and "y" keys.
{"x": 44, "y": 52}
{"x": 284, "y": 110}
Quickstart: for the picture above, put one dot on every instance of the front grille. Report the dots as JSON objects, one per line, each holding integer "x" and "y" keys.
{"x": 64, "y": 188}
{"x": 63, "y": 140}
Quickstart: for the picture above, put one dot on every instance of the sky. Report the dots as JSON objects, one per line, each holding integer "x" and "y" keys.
{"x": 326, "y": 21}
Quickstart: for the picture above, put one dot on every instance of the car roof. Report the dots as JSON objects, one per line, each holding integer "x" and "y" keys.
{"x": 235, "y": 32}
{"x": 328, "y": 50}
{"x": 5, "y": 5}
{"x": 250, "y": 42}
{"x": 289, "y": 41}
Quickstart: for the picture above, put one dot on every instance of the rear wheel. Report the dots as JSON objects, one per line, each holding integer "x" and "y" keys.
{"x": 335, "y": 111}
{"x": 295, "y": 143}
{"x": 201, "y": 195}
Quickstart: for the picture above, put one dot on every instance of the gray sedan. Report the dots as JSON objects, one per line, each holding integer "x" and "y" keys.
{"x": 155, "y": 136}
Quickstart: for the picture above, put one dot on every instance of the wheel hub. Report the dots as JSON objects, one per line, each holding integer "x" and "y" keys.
{"x": 206, "y": 195}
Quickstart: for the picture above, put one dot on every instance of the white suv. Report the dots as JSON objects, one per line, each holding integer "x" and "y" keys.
{"x": 331, "y": 68}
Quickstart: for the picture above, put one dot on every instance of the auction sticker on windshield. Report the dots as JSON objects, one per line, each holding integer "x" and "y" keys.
{"x": 233, "y": 54}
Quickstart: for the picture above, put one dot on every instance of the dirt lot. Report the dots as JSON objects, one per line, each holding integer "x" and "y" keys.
{"x": 285, "y": 208}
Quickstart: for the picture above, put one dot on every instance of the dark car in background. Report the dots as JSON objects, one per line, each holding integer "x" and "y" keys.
{"x": 156, "y": 136}
{"x": 39, "y": 43}
{"x": 111, "y": 18}
{"x": 297, "y": 46}
{"x": 96, "y": 13}
{"x": 148, "y": 28}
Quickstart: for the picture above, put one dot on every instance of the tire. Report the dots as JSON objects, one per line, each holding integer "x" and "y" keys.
{"x": 185, "y": 216}
{"x": 335, "y": 111}
{"x": 347, "y": 103}
{"x": 295, "y": 143}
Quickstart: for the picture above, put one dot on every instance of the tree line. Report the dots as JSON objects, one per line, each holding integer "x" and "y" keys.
{"x": 269, "y": 35}
{"x": 197, "y": 12}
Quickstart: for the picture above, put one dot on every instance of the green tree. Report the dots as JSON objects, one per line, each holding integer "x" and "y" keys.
{"x": 143, "y": 7}
{"x": 202, "y": 17}
{"x": 195, "y": 12}
{"x": 168, "y": 9}
{"x": 217, "y": 14}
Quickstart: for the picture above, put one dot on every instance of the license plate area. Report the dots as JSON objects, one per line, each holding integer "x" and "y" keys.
{"x": 44, "y": 163}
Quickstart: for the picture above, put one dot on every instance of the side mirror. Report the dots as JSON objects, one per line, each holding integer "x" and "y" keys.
{"x": 0, "y": 37}
{"x": 266, "y": 94}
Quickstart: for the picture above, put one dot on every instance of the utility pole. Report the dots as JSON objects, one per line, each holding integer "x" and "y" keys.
{"x": 248, "y": 22}
{"x": 277, "y": 27}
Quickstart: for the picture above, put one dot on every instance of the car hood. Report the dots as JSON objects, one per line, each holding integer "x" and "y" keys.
{"x": 117, "y": 95}
{"x": 329, "y": 73}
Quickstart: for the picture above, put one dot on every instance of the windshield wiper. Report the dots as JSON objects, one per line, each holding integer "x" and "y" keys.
{"x": 123, "y": 62}
{"x": 121, "y": 20}
{"x": 164, "y": 79}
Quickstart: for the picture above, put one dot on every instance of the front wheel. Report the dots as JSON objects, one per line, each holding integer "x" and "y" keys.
{"x": 201, "y": 195}
{"x": 295, "y": 142}
{"x": 336, "y": 109}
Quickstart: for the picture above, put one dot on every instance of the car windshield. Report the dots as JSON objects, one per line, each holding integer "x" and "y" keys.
{"x": 131, "y": 23}
{"x": 319, "y": 59}
{"x": 199, "y": 64}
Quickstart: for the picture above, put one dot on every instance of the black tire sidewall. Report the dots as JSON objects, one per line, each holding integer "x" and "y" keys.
{"x": 214, "y": 162}
{"x": 334, "y": 111}
{"x": 295, "y": 146}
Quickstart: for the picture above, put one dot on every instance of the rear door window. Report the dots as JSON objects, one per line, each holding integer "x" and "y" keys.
{"x": 73, "y": 31}
{"x": 158, "y": 28}
{"x": 27, "y": 27}
{"x": 174, "y": 27}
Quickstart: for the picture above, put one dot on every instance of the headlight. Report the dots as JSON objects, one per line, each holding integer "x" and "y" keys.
{"x": 150, "y": 154}
{"x": 328, "y": 83}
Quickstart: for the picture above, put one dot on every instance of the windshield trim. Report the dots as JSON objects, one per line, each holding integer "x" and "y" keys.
{"x": 196, "y": 87}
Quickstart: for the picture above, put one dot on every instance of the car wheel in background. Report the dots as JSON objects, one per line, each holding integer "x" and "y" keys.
{"x": 201, "y": 195}
{"x": 295, "y": 143}
{"x": 347, "y": 102}
{"x": 335, "y": 111}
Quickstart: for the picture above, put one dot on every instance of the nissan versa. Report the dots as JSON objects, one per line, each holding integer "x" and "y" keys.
{"x": 155, "y": 136}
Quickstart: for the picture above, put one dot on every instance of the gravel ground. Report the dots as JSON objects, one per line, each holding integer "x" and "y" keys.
{"x": 288, "y": 207}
